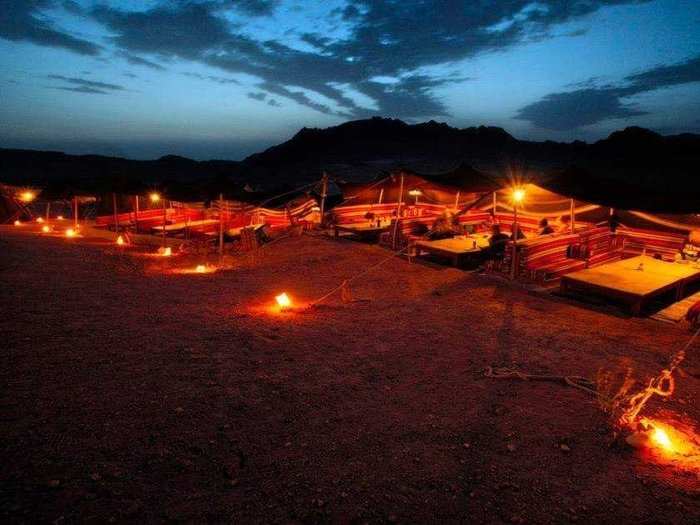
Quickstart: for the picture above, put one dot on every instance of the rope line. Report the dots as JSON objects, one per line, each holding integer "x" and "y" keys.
{"x": 582, "y": 383}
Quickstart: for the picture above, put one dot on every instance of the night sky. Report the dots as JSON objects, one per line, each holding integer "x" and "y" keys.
{"x": 223, "y": 79}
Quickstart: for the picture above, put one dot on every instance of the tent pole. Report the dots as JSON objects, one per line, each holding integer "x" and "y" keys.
{"x": 136, "y": 213}
{"x": 398, "y": 214}
{"x": 573, "y": 216}
{"x": 514, "y": 259}
{"x": 457, "y": 200}
{"x": 495, "y": 203}
{"x": 75, "y": 211}
{"x": 381, "y": 195}
{"x": 165, "y": 217}
{"x": 48, "y": 210}
{"x": 114, "y": 209}
{"x": 324, "y": 193}
{"x": 221, "y": 225}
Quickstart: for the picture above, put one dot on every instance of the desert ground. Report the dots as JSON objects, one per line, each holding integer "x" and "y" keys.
{"x": 133, "y": 394}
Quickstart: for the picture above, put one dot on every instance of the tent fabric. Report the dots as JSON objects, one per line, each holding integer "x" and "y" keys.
{"x": 457, "y": 188}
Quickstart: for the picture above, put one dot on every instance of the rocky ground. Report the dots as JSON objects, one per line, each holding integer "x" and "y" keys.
{"x": 132, "y": 394}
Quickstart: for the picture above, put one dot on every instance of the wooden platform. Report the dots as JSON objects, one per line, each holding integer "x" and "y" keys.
{"x": 455, "y": 248}
{"x": 180, "y": 226}
{"x": 631, "y": 283}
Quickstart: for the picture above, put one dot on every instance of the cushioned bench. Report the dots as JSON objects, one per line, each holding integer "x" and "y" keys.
{"x": 546, "y": 258}
{"x": 410, "y": 229}
{"x": 599, "y": 246}
{"x": 653, "y": 242}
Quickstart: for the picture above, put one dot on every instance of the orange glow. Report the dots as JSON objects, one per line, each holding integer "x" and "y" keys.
{"x": 60, "y": 217}
{"x": 46, "y": 228}
{"x": 155, "y": 197}
{"x": 415, "y": 193}
{"x": 70, "y": 232}
{"x": 39, "y": 220}
{"x": 27, "y": 196}
{"x": 167, "y": 251}
{"x": 283, "y": 301}
{"x": 518, "y": 195}
{"x": 120, "y": 241}
{"x": 18, "y": 223}
{"x": 200, "y": 268}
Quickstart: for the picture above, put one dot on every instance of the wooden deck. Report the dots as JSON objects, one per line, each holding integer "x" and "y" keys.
{"x": 633, "y": 281}
{"x": 456, "y": 249}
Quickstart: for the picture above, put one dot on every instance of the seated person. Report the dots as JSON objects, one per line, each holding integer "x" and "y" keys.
{"x": 545, "y": 228}
{"x": 562, "y": 224}
{"x": 497, "y": 243}
{"x": 513, "y": 228}
{"x": 444, "y": 227}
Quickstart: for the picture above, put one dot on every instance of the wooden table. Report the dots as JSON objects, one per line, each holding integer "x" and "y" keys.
{"x": 236, "y": 232}
{"x": 624, "y": 281}
{"x": 178, "y": 226}
{"x": 361, "y": 229}
{"x": 456, "y": 248}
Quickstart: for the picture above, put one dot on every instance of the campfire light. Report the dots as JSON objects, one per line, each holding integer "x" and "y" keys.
{"x": 120, "y": 241}
{"x": 39, "y": 220}
{"x": 283, "y": 301}
{"x": 200, "y": 268}
{"x": 60, "y": 217}
{"x": 167, "y": 251}
{"x": 18, "y": 223}
{"x": 46, "y": 228}
{"x": 70, "y": 232}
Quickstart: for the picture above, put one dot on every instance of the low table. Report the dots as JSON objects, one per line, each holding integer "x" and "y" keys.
{"x": 178, "y": 226}
{"x": 624, "y": 281}
{"x": 361, "y": 229}
{"x": 456, "y": 248}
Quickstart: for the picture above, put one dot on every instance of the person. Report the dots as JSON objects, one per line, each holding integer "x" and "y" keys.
{"x": 444, "y": 227}
{"x": 513, "y": 228}
{"x": 613, "y": 222}
{"x": 545, "y": 228}
{"x": 497, "y": 242}
{"x": 562, "y": 224}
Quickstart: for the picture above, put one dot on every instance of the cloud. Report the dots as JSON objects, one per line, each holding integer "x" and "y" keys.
{"x": 81, "y": 85}
{"x": 22, "y": 21}
{"x": 258, "y": 96}
{"x": 138, "y": 61}
{"x": 213, "y": 78}
{"x": 397, "y": 38}
{"x": 591, "y": 104}
{"x": 272, "y": 102}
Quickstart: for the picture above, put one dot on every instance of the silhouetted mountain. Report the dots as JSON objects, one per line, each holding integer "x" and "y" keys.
{"x": 634, "y": 167}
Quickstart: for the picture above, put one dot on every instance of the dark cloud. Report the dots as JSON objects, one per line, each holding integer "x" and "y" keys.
{"x": 82, "y": 85}
{"x": 256, "y": 7}
{"x": 258, "y": 96}
{"x": 21, "y": 21}
{"x": 393, "y": 38}
{"x": 272, "y": 102}
{"x": 213, "y": 78}
{"x": 591, "y": 104}
{"x": 139, "y": 61}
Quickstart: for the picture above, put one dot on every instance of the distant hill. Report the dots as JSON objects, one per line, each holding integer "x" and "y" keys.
{"x": 629, "y": 167}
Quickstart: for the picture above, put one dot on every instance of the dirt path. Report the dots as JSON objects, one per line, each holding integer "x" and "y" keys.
{"x": 136, "y": 395}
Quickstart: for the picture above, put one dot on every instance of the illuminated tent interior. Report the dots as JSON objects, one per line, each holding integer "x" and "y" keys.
{"x": 458, "y": 187}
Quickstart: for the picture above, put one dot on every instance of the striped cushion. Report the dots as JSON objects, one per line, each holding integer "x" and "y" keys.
{"x": 636, "y": 241}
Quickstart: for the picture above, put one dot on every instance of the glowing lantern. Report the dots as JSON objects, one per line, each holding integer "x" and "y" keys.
{"x": 27, "y": 196}
{"x": 120, "y": 241}
{"x": 283, "y": 301}
{"x": 167, "y": 251}
{"x": 200, "y": 268}
{"x": 18, "y": 223}
{"x": 70, "y": 232}
{"x": 46, "y": 228}
{"x": 415, "y": 193}
{"x": 518, "y": 195}
{"x": 155, "y": 197}
{"x": 39, "y": 220}
{"x": 60, "y": 217}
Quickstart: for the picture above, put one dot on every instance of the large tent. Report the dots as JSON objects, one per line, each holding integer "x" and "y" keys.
{"x": 458, "y": 187}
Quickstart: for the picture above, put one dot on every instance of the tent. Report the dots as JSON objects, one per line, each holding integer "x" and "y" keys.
{"x": 14, "y": 202}
{"x": 457, "y": 188}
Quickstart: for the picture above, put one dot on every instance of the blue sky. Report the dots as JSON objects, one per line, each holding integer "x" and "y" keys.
{"x": 223, "y": 79}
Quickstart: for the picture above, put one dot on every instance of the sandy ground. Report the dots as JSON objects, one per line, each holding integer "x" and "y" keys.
{"x": 132, "y": 394}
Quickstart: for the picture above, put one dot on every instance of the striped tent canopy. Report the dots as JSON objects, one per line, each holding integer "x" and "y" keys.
{"x": 458, "y": 187}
